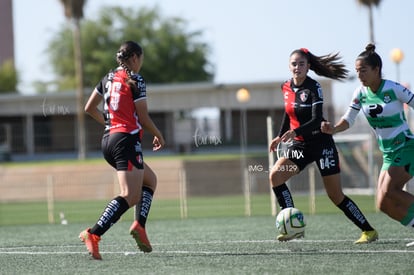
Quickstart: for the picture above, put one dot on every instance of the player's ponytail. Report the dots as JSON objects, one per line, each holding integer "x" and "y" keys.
{"x": 371, "y": 58}
{"x": 126, "y": 51}
{"x": 329, "y": 65}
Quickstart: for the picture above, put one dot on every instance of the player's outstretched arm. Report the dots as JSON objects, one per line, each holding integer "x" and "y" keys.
{"x": 327, "y": 128}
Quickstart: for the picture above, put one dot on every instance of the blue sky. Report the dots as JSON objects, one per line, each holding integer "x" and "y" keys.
{"x": 250, "y": 40}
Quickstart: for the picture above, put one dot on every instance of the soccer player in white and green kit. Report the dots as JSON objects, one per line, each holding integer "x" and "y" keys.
{"x": 382, "y": 102}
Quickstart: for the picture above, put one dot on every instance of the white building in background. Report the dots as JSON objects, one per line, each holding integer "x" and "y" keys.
{"x": 46, "y": 123}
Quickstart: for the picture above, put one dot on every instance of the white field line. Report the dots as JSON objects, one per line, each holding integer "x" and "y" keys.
{"x": 213, "y": 242}
{"x": 197, "y": 252}
{"x": 57, "y": 250}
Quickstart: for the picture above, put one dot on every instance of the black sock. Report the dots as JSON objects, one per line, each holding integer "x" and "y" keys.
{"x": 353, "y": 213}
{"x": 146, "y": 200}
{"x": 284, "y": 198}
{"x": 110, "y": 216}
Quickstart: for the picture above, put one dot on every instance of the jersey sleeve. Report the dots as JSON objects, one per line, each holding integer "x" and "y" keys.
{"x": 285, "y": 124}
{"x": 317, "y": 113}
{"x": 404, "y": 94}
{"x": 354, "y": 108}
{"x": 100, "y": 87}
{"x": 141, "y": 91}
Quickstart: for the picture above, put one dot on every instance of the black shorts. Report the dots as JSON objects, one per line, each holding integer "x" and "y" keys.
{"x": 123, "y": 151}
{"x": 322, "y": 151}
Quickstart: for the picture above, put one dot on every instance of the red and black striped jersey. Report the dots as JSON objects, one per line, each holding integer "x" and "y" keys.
{"x": 119, "y": 101}
{"x": 303, "y": 109}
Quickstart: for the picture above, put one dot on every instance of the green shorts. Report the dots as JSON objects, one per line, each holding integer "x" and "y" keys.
{"x": 402, "y": 157}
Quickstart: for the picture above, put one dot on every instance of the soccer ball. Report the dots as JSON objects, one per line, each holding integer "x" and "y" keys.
{"x": 290, "y": 221}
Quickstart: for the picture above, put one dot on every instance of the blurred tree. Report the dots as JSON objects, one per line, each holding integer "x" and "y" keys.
{"x": 369, "y": 4}
{"x": 171, "y": 53}
{"x": 74, "y": 13}
{"x": 8, "y": 77}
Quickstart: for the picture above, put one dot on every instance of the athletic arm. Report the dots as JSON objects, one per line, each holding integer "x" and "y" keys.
{"x": 327, "y": 128}
{"x": 146, "y": 122}
{"x": 285, "y": 124}
{"x": 91, "y": 107}
{"x": 316, "y": 99}
{"x": 344, "y": 123}
{"x": 313, "y": 123}
{"x": 284, "y": 128}
{"x": 347, "y": 119}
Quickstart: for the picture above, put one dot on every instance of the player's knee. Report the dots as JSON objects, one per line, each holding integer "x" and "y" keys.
{"x": 151, "y": 183}
{"x": 154, "y": 182}
{"x": 383, "y": 204}
{"x": 275, "y": 177}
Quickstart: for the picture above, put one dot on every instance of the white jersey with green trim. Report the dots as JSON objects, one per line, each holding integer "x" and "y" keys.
{"x": 384, "y": 111}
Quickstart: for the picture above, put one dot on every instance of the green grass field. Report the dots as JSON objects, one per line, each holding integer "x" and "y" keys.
{"x": 237, "y": 245}
{"x": 213, "y": 240}
{"x": 198, "y": 207}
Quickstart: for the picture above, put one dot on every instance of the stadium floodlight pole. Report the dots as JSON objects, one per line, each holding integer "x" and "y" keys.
{"x": 74, "y": 13}
{"x": 243, "y": 96}
{"x": 397, "y": 56}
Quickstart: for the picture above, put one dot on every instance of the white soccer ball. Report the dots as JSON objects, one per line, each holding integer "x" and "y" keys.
{"x": 290, "y": 221}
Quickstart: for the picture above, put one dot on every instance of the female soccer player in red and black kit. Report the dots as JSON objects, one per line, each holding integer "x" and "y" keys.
{"x": 301, "y": 127}
{"x": 123, "y": 92}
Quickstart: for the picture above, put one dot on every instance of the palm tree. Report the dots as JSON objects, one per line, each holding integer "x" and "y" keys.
{"x": 369, "y": 4}
{"x": 74, "y": 13}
